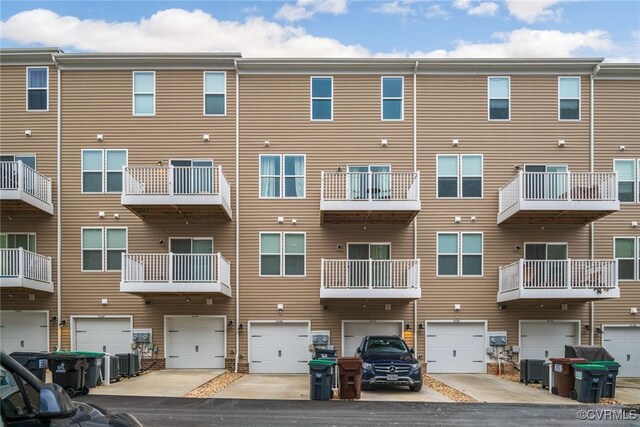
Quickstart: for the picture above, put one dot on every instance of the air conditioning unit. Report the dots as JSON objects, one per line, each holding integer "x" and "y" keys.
{"x": 531, "y": 371}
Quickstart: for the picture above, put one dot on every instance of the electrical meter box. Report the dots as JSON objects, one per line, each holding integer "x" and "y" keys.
{"x": 320, "y": 339}
{"x": 142, "y": 335}
{"x": 498, "y": 340}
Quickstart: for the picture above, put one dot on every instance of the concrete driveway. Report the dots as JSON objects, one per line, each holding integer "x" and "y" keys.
{"x": 296, "y": 387}
{"x": 628, "y": 390}
{"x": 166, "y": 382}
{"x": 490, "y": 388}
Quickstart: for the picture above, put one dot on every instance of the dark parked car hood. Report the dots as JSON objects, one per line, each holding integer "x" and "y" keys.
{"x": 371, "y": 357}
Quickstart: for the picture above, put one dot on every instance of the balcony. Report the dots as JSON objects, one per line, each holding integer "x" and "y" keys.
{"x": 20, "y": 268}
{"x": 373, "y": 197}
{"x": 157, "y": 274}
{"x": 566, "y": 280}
{"x": 397, "y": 279}
{"x": 558, "y": 198}
{"x": 24, "y": 190}
{"x": 194, "y": 193}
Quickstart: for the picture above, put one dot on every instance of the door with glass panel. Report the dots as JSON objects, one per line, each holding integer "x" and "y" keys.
{"x": 192, "y": 259}
{"x": 192, "y": 176}
{"x": 546, "y": 182}
{"x": 9, "y": 259}
{"x": 369, "y": 181}
{"x": 9, "y": 171}
{"x": 545, "y": 265}
{"x": 369, "y": 260}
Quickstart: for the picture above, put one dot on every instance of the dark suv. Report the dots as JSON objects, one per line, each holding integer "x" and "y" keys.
{"x": 388, "y": 360}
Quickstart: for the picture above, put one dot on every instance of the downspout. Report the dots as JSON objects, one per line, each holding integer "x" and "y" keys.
{"x": 415, "y": 220}
{"x": 58, "y": 210}
{"x": 237, "y": 355}
{"x": 592, "y": 304}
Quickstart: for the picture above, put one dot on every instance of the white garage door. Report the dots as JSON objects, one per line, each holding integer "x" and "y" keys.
{"x": 195, "y": 342}
{"x": 623, "y": 342}
{"x": 354, "y": 331}
{"x": 108, "y": 335}
{"x": 542, "y": 340}
{"x": 23, "y": 331}
{"x": 455, "y": 347}
{"x": 279, "y": 348}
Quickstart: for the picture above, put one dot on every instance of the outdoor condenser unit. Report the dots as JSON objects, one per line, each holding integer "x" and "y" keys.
{"x": 531, "y": 371}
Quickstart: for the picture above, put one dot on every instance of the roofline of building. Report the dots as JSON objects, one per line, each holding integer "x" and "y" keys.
{"x": 618, "y": 71}
{"x": 28, "y": 56}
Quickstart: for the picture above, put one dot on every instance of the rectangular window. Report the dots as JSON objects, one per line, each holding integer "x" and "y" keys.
{"x": 471, "y": 254}
{"x": 448, "y": 254}
{"x": 459, "y": 175}
{"x": 144, "y": 93}
{"x": 37, "y": 88}
{"x": 455, "y": 246}
{"x": 277, "y": 181}
{"x": 569, "y": 98}
{"x": 626, "y": 179}
{"x": 25, "y": 241}
{"x": 392, "y": 98}
{"x": 322, "y": 98}
{"x": 626, "y": 254}
{"x": 282, "y": 254}
{"x": 215, "y": 89}
{"x": 102, "y": 170}
{"x": 499, "y": 98}
{"x": 102, "y": 248}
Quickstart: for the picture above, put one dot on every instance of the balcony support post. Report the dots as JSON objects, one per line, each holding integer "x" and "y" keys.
{"x": 21, "y": 262}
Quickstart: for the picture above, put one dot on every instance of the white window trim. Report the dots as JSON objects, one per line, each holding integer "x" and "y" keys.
{"x": 460, "y": 254}
{"x": 311, "y": 97}
{"x": 282, "y": 176}
{"x": 459, "y": 176}
{"x": 489, "y": 98}
{"x": 103, "y": 231}
{"x": 192, "y": 239}
{"x": 134, "y": 93}
{"x": 560, "y": 78}
{"x": 382, "y": 99}
{"x": 26, "y": 84}
{"x": 636, "y": 257}
{"x": 635, "y": 180}
{"x": 205, "y": 93}
{"x": 104, "y": 170}
{"x": 281, "y": 254}
{"x": 35, "y": 157}
{"x": 35, "y": 238}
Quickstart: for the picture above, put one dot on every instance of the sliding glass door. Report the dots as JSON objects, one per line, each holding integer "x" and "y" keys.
{"x": 192, "y": 261}
{"x": 369, "y": 260}
{"x": 369, "y": 182}
{"x": 192, "y": 176}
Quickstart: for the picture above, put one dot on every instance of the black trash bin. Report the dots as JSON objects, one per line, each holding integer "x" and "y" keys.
{"x": 323, "y": 353}
{"x": 94, "y": 371}
{"x": 590, "y": 379}
{"x": 69, "y": 371}
{"x": 609, "y": 387}
{"x": 321, "y": 379}
{"x": 35, "y": 362}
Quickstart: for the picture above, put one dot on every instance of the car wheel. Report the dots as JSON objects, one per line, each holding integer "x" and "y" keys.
{"x": 416, "y": 387}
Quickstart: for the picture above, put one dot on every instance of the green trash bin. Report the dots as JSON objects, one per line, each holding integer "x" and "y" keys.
{"x": 609, "y": 387}
{"x": 590, "y": 379}
{"x": 321, "y": 378}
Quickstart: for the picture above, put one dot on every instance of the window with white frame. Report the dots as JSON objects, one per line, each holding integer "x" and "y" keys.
{"x": 102, "y": 170}
{"x": 102, "y": 248}
{"x": 459, "y": 176}
{"x": 626, "y": 251}
{"x": 144, "y": 93}
{"x": 215, "y": 93}
{"x": 282, "y": 254}
{"x": 322, "y": 98}
{"x": 392, "y": 98}
{"x": 459, "y": 254}
{"x": 27, "y": 159}
{"x": 37, "y": 88}
{"x": 499, "y": 98}
{"x": 25, "y": 241}
{"x": 569, "y": 98}
{"x": 282, "y": 176}
{"x": 628, "y": 178}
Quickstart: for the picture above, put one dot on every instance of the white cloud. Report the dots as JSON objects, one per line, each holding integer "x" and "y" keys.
{"x": 462, "y": 4}
{"x": 534, "y": 10}
{"x": 304, "y": 9}
{"x": 172, "y": 30}
{"x": 436, "y": 11}
{"x": 394, "y": 8}
{"x": 477, "y": 9}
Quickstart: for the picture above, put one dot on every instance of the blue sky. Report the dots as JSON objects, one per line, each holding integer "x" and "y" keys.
{"x": 341, "y": 28}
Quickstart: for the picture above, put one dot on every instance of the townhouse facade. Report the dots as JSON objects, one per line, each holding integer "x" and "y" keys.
{"x": 232, "y": 210}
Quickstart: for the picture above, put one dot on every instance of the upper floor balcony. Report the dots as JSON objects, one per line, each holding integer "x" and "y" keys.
{"x": 567, "y": 280}
{"x": 558, "y": 198}
{"x": 23, "y": 189}
{"x": 171, "y": 273}
{"x": 177, "y": 192}
{"x": 20, "y": 268}
{"x": 374, "y": 197}
{"x": 396, "y": 279}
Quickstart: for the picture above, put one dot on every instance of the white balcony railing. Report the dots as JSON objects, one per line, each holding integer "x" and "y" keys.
{"x": 175, "y": 272}
{"x": 370, "y": 274}
{"x": 371, "y": 186}
{"x": 19, "y": 267}
{"x": 18, "y": 176}
{"x": 175, "y": 180}
{"x": 559, "y": 187}
{"x": 529, "y": 276}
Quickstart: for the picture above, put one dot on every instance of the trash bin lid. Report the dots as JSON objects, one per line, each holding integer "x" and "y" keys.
{"x": 322, "y": 362}
{"x": 607, "y": 363}
{"x": 591, "y": 367}
{"x": 87, "y": 354}
{"x": 568, "y": 360}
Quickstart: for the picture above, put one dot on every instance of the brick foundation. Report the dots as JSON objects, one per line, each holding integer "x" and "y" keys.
{"x": 230, "y": 365}
{"x": 148, "y": 361}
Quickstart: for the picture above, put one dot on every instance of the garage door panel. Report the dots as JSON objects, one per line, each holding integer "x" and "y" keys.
{"x": 110, "y": 335}
{"x": 23, "y": 331}
{"x": 455, "y": 347}
{"x": 542, "y": 340}
{"x": 279, "y": 348}
{"x": 355, "y": 331}
{"x": 195, "y": 342}
{"x": 623, "y": 343}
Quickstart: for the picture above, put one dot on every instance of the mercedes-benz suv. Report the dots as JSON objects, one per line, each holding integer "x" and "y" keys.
{"x": 387, "y": 360}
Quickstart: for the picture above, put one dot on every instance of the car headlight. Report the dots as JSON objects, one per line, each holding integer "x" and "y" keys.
{"x": 415, "y": 366}
{"x": 367, "y": 366}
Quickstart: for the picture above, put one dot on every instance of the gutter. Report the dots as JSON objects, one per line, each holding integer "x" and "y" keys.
{"x": 58, "y": 207}
{"x": 237, "y": 177}
{"x": 415, "y": 220}
{"x": 592, "y": 304}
